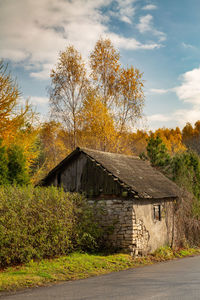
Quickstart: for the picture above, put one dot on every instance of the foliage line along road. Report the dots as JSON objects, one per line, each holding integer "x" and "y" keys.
{"x": 176, "y": 279}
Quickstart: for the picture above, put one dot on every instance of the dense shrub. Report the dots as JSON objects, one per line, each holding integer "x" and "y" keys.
{"x": 13, "y": 168}
{"x": 44, "y": 222}
{"x": 87, "y": 234}
{"x": 188, "y": 220}
{"x": 17, "y": 171}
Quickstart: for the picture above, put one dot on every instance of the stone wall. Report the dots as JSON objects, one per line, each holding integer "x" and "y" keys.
{"x": 161, "y": 232}
{"x": 135, "y": 230}
{"x": 129, "y": 233}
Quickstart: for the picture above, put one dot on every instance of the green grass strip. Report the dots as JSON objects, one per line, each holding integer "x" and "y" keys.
{"x": 79, "y": 266}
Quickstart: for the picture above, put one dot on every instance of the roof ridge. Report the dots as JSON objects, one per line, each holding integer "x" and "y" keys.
{"x": 84, "y": 149}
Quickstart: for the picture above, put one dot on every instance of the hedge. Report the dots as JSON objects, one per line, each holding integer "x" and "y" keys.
{"x": 44, "y": 222}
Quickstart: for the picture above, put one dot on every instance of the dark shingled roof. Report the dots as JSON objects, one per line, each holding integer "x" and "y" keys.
{"x": 135, "y": 173}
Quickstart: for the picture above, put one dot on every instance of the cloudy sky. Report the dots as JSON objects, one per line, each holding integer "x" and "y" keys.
{"x": 160, "y": 37}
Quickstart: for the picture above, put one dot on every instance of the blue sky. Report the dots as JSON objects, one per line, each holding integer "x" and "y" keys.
{"x": 160, "y": 37}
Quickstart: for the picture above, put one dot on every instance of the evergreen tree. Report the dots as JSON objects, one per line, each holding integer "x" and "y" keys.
{"x": 17, "y": 171}
{"x": 185, "y": 171}
{"x": 157, "y": 152}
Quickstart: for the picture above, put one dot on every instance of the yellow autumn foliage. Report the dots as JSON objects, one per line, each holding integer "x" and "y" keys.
{"x": 97, "y": 125}
{"x": 172, "y": 138}
{"x": 16, "y": 120}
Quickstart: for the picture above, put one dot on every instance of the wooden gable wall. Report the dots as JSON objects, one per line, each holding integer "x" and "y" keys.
{"x": 82, "y": 174}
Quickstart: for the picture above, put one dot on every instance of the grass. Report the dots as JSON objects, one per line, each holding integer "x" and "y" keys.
{"x": 79, "y": 266}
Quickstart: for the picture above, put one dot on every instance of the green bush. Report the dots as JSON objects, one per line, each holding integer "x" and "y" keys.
{"x": 156, "y": 152}
{"x": 43, "y": 222}
{"x": 13, "y": 168}
{"x": 17, "y": 171}
{"x": 89, "y": 236}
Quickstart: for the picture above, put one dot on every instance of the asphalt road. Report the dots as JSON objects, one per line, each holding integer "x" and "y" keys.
{"x": 178, "y": 279}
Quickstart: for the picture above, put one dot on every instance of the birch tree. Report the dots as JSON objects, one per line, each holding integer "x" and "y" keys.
{"x": 68, "y": 86}
{"x": 130, "y": 100}
{"x": 121, "y": 89}
{"x": 117, "y": 92}
{"x": 104, "y": 63}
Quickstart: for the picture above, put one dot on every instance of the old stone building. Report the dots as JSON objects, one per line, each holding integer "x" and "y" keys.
{"x": 135, "y": 197}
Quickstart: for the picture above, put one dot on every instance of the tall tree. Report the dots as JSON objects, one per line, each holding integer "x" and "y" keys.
{"x": 172, "y": 138}
{"x": 130, "y": 98}
{"x": 120, "y": 89}
{"x": 157, "y": 151}
{"x": 12, "y": 114}
{"x": 104, "y": 63}
{"x": 17, "y": 170}
{"x": 53, "y": 146}
{"x": 98, "y": 131}
{"x": 137, "y": 142}
{"x": 68, "y": 86}
{"x": 191, "y": 136}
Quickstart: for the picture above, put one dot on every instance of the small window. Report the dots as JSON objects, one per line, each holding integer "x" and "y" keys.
{"x": 157, "y": 212}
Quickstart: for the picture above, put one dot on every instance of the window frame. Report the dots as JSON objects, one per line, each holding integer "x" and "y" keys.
{"x": 157, "y": 212}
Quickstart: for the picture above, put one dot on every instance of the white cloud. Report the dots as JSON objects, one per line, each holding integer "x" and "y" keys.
{"x": 123, "y": 10}
{"x": 179, "y": 117}
{"x": 44, "y": 73}
{"x": 149, "y": 7}
{"x": 39, "y": 100}
{"x": 159, "y": 91}
{"x": 126, "y": 10}
{"x": 37, "y": 37}
{"x": 159, "y": 118}
{"x": 131, "y": 43}
{"x": 187, "y": 115}
{"x": 189, "y": 90}
{"x": 146, "y": 25}
{"x": 34, "y": 32}
{"x": 187, "y": 46}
